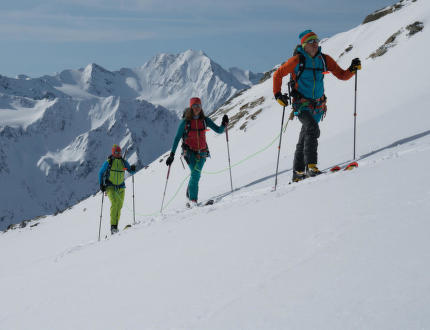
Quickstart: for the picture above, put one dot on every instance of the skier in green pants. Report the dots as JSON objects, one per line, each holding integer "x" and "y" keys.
{"x": 192, "y": 130}
{"x": 111, "y": 179}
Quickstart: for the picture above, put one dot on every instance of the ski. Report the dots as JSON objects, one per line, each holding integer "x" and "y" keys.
{"x": 348, "y": 167}
{"x": 334, "y": 169}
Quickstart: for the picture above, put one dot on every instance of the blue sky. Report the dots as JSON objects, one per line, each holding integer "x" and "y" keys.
{"x": 44, "y": 37}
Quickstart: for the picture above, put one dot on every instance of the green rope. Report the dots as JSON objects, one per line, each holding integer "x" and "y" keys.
{"x": 214, "y": 172}
{"x": 250, "y": 156}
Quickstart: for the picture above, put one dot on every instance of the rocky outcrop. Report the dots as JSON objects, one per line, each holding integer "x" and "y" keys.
{"x": 392, "y": 40}
{"x": 386, "y": 11}
{"x": 414, "y": 28}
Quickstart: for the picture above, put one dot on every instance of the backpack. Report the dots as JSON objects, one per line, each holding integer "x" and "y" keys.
{"x": 114, "y": 174}
{"x": 188, "y": 128}
{"x": 186, "y": 149}
{"x": 302, "y": 67}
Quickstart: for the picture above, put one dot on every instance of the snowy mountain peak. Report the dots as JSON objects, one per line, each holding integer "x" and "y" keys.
{"x": 99, "y": 81}
{"x": 170, "y": 80}
{"x": 93, "y": 69}
{"x": 190, "y": 53}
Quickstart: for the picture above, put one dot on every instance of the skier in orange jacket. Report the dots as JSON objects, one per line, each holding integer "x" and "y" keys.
{"x": 307, "y": 68}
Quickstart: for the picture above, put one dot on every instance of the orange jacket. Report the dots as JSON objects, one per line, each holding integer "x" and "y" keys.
{"x": 289, "y": 66}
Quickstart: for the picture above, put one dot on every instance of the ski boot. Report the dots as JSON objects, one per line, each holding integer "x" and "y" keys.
{"x": 312, "y": 170}
{"x": 191, "y": 204}
{"x": 113, "y": 229}
{"x": 298, "y": 176}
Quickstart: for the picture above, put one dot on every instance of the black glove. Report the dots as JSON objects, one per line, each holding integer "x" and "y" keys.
{"x": 282, "y": 99}
{"x": 355, "y": 65}
{"x": 224, "y": 121}
{"x": 133, "y": 168}
{"x": 102, "y": 187}
{"x": 170, "y": 159}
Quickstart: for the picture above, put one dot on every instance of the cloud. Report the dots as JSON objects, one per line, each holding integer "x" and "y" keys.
{"x": 187, "y": 8}
{"x": 61, "y": 25}
{"x": 11, "y": 32}
{"x": 125, "y": 20}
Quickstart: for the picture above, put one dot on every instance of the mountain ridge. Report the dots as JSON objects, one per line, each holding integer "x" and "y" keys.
{"x": 55, "y": 131}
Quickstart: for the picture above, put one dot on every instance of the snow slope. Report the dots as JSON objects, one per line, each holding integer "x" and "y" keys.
{"x": 347, "y": 250}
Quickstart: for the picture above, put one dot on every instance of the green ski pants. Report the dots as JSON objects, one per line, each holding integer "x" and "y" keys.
{"x": 116, "y": 197}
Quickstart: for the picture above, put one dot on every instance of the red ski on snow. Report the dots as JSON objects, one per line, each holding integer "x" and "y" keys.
{"x": 348, "y": 167}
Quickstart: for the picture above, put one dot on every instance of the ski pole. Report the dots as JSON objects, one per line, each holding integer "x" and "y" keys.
{"x": 101, "y": 212}
{"x": 229, "y": 162}
{"x": 182, "y": 163}
{"x": 165, "y": 187}
{"x": 279, "y": 147}
{"x": 355, "y": 111}
{"x": 134, "y": 212}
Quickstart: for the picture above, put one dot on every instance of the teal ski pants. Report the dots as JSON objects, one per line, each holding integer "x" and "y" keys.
{"x": 195, "y": 163}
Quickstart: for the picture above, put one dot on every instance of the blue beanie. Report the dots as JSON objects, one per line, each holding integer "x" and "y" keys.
{"x": 301, "y": 35}
{"x": 307, "y": 35}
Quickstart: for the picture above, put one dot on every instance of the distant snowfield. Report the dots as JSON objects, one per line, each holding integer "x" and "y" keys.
{"x": 346, "y": 250}
{"x": 23, "y": 117}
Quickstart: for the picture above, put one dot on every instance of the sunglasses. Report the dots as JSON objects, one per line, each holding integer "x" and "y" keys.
{"x": 313, "y": 41}
{"x": 196, "y": 106}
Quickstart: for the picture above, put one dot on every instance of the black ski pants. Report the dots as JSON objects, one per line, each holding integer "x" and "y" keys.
{"x": 307, "y": 146}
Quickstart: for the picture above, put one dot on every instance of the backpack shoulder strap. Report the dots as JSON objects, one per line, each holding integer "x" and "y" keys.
{"x": 107, "y": 172}
{"x": 110, "y": 161}
{"x": 186, "y": 129}
{"x": 324, "y": 59}
{"x": 302, "y": 65}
